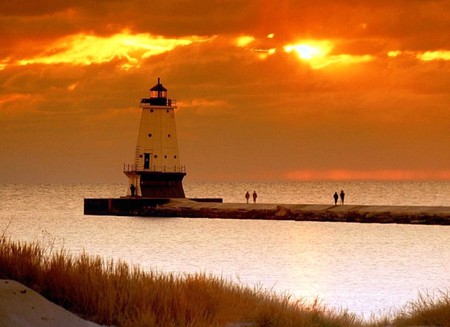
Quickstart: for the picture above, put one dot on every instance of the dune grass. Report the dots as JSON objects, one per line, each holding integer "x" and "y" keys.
{"x": 114, "y": 293}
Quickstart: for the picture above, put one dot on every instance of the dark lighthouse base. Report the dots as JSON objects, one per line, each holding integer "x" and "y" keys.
{"x": 161, "y": 185}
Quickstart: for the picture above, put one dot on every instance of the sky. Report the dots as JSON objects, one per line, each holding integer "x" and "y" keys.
{"x": 266, "y": 90}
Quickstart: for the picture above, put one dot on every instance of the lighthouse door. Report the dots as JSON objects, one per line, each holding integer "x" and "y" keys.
{"x": 146, "y": 160}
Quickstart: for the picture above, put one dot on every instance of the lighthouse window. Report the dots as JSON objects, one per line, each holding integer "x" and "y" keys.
{"x": 175, "y": 157}
{"x": 165, "y": 156}
{"x": 151, "y": 110}
{"x": 167, "y": 110}
{"x": 149, "y": 134}
{"x": 155, "y": 156}
{"x": 168, "y": 135}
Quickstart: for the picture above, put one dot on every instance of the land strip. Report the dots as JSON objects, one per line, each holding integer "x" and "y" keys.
{"x": 192, "y": 208}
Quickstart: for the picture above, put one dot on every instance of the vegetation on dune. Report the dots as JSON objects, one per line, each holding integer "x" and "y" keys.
{"x": 112, "y": 293}
{"x": 426, "y": 311}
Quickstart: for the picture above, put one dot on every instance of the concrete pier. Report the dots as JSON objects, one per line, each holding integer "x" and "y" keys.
{"x": 214, "y": 208}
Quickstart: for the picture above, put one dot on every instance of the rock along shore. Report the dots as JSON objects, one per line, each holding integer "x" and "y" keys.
{"x": 192, "y": 208}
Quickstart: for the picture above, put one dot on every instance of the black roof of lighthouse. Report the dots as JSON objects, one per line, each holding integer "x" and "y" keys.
{"x": 158, "y": 87}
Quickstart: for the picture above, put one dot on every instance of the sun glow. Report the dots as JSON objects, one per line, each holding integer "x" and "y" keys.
{"x": 394, "y": 53}
{"x": 310, "y": 50}
{"x": 443, "y": 55}
{"x": 244, "y": 40}
{"x": 313, "y": 52}
{"x": 84, "y": 49}
{"x": 434, "y": 55}
{"x": 318, "y": 54}
{"x": 393, "y": 175}
{"x": 306, "y": 51}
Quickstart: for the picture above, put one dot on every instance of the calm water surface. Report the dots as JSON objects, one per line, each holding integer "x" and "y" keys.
{"x": 366, "y": 268}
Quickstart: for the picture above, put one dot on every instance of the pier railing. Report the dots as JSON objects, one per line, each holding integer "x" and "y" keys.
{"x": 130, "y": 168}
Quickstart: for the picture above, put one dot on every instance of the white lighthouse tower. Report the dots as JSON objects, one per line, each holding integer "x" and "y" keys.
{"x": 156, "y": 172}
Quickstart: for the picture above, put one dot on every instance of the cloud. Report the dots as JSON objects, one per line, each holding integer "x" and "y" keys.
{"x": 88, "y": 49}
{"x": 376, "y": 101}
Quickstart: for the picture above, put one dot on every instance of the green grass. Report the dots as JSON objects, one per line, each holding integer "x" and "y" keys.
{"x": 114, "y": 293}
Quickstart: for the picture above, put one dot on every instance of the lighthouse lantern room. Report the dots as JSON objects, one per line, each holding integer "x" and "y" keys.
{"x": 156, "y": 172}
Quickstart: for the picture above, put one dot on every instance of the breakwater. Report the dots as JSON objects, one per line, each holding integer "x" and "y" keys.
{"x": 214, "y": 208}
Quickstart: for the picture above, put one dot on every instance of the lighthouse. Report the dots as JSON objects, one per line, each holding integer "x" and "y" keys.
{"x": 156, "y": 171}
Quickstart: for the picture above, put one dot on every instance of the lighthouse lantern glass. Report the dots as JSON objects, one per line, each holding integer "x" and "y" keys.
{"x": 158, "y": 94}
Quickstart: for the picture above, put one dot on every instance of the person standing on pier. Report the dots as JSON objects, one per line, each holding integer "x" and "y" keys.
{"x": 247, "y": 196}
{"x": 342, "y": 195}
{"x": 336, "y": 198}
{"x": 254, "y": 196}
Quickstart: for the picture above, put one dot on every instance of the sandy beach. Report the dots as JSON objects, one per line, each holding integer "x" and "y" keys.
{"x": 20, "y": 306}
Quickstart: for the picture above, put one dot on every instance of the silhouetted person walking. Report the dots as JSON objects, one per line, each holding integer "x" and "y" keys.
{"x": 247, "y": 196}
{"x": 336, "y": 198}
{"x": 132, "y": 189}
{"x": 342, "y": 195}
{"x": 254, "y": 196}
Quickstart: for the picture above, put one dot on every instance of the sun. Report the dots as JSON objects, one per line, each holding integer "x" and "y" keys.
{"x": 310, "y": 50}
{"x": 304, "y": 51}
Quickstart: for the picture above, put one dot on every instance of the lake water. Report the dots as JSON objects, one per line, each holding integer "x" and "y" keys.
{"x": 365, "y": 268}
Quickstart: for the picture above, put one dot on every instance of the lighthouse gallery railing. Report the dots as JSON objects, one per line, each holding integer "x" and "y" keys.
{"x": 130, "y": 168}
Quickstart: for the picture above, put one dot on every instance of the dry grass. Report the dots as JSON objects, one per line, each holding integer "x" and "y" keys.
{"x": 112, "y": 293}
{"x": 428, "y": 310}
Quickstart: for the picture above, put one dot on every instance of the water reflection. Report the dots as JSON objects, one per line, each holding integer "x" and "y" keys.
{"x": 365, "y": 268}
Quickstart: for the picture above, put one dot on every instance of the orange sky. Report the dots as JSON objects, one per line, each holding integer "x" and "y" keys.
{"x": 266, "y": 90}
